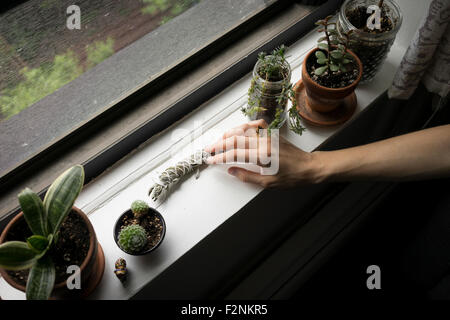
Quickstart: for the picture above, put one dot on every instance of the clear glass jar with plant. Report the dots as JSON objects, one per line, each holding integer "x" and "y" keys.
{"x": 270, "y": 90}
{"x": 371, "y": 45}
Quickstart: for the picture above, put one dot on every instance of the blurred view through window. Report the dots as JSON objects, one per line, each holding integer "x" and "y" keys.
{"x": 39, "y": 54}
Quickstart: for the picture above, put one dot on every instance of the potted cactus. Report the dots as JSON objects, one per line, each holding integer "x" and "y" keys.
{"x": 330, "y": 74}
{"x": 139, "y": 230}
{"x": 42, "y": 241}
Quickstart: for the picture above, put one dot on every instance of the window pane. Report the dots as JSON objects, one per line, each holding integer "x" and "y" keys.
{"x": 39, "y": 53}
{"x": 53, "y": 78}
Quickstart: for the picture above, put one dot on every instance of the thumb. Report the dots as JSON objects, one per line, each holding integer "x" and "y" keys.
{"x": 245, "y": 175}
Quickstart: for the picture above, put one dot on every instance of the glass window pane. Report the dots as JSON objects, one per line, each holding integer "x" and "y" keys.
{"x": 54, "y": 78}
{"x": 39, "y": 53}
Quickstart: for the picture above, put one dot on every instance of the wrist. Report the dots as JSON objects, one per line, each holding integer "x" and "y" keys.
{"x": 321, "y": 171}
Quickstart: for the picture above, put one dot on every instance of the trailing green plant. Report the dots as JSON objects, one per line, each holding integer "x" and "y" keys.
{"x": 133, "y": 238}
{"x": 44, "y": 219}
{"x": 273, "y": 67}
{"x": 336, "y": 58}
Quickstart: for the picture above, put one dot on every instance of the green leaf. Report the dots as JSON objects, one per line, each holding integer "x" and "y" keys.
{"x": 320, "y": 55}
{"x": 342, "y": 68}
{"x": 61, "y": 195}
{"x": 322, "y": 61}
{"x": 332, "y": 32}
{"x": 336, "y": 54}
{"x": 323, "y": 46}
{"x": 16, "y": 255}
{"x": 335, "y": 42}
{"x": 33, "y": 211}
{"x": 41, "y": 279}
{"x": 348, "y": 56}
{"x": 345, "y": 61}
{"x": 321, "y": 39}
{"x": 334, "y": 67}
{"x": 38, "y": 243}
{"x": 321, "y": 70}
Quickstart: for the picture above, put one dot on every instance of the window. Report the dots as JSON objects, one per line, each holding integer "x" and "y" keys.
{"x": 111, "y": 109}
{"x": 40, "y": 53}
{"x": 54, "y": 78}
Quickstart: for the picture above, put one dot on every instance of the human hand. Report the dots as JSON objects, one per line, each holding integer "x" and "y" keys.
{"x": 296, "y": 167}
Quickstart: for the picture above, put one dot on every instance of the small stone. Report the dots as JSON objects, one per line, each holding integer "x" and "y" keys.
{"x": 121, "y": 271}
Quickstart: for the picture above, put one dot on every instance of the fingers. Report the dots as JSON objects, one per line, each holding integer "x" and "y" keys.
{"x": 246, "y": 129}
{"x": 229, "y": 139}
{"x": 235, "y": 155}
{"x": 233, "y": 142}
{"x": 250, "y": 177}
{"x": 252, "y": 156}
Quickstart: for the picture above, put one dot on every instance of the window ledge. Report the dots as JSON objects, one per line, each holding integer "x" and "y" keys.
{"x": 197, "y": 207}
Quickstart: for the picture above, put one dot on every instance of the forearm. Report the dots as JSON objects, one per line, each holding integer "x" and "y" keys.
{"x": 418, "y": 155}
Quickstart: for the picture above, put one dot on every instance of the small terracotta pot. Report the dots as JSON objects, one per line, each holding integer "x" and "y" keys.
{"x": 323, "y": 99}
{"x": 91, "y": 269}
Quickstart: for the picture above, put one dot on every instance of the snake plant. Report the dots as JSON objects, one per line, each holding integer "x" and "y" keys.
{"x": 44, "y": 219}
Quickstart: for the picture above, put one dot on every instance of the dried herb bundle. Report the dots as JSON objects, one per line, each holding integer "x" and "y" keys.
{"x": 173, "y": 174}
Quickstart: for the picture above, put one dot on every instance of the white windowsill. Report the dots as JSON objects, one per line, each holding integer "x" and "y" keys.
{"x": 198, "y": 206}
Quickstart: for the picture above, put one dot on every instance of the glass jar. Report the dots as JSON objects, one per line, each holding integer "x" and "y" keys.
{"x": 371, "y": 48}
{"x": 268, "y": 99}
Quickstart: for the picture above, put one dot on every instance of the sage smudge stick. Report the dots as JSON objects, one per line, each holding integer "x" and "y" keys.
{"x": 173, "y": 174}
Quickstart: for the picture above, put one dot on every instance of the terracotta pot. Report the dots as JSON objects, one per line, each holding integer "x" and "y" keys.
{"x": 323, "y": 99}
{"x": 91, "y": 269}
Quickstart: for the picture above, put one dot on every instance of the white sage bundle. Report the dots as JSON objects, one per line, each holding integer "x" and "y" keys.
{"x": 173, "y": 174}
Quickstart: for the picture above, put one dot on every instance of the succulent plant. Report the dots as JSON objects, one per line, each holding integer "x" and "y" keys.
{"x": 336, "y": 58}
{"x": 132, "y": 238}
{"x": 139, "y": 208}
{"x": 44, "y": 219}
{"x": 273, "y": 68}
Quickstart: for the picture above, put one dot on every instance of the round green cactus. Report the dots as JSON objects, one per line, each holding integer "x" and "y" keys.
{"x": 139, "y": 208}
{"x": 132, "y": 238}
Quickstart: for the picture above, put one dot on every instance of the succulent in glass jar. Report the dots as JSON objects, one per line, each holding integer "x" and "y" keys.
{"x": 270, "y": 90}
